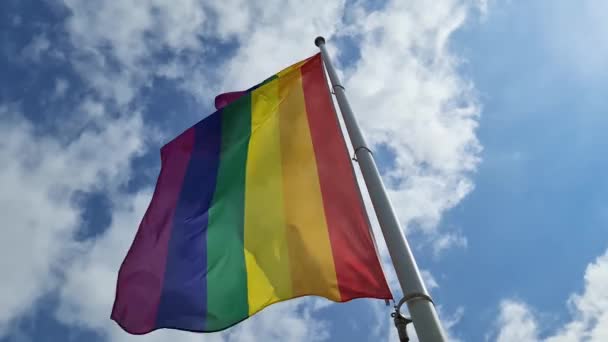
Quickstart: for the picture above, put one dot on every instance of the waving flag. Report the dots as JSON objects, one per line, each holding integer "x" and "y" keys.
{"x": 255, "y": 204}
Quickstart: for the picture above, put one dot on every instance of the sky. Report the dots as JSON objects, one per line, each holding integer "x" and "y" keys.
{"x": 487, "y": 119}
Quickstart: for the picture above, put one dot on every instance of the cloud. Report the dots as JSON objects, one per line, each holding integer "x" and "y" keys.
{"x": 429, "y": 280}
{"x": 285, "y": 35}
{"x": 36, "y": 48}
{"x": 88, "y": 292}
{"x": 61, "y": 86}
{"x": 589, "y": 311}
{"x": 448, "y": 240}
{"x": 516, "y": 323}
{"x": 36, "y": 202}
{"x": 117, "y": 63}
{"x": 410, "y": 98}
{"x": 450, "y": 321}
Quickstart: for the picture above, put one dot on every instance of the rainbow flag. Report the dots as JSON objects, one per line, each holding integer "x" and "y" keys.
{"x": 255, "y": 204}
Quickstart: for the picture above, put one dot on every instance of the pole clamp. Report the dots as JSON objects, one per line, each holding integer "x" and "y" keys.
{"x": 401, "y": 321}
{"x": 361, "y": 148}
{"x": 414, "y": 296}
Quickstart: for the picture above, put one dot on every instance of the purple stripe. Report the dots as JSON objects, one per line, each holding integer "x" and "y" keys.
{"x": 140, "y": 278}
{"x": 222, "y": 100}
{"x": 183, "y": 302}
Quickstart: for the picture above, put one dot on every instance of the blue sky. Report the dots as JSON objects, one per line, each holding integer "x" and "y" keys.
{"x": 488, "y": 120}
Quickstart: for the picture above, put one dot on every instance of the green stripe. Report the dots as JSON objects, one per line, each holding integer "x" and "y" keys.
{"x": 226, "y": 273}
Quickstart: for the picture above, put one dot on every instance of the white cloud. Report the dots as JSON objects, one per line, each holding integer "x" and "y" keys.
{"x": 589, "y": 311}
{"x": 118, "y": 62}
{"x": 429, "y": 280}
{"x": 88, "y": 293}
{"x": 516, "y": 323}
{"x": 409, "y": 96}
{"x": 38, "y": 180}
{"x": 450, "y": 321}
{"x": 447, "y": 240}
{"x": 285, "y": 36}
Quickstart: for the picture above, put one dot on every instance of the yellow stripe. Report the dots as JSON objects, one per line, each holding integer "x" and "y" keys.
{"x": 313, "y": 270}
{"x": 266, "y": 255}
{"x": 292, "y": 68}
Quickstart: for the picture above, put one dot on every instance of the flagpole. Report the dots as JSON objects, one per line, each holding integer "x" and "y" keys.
{"x": 421, "y": 307}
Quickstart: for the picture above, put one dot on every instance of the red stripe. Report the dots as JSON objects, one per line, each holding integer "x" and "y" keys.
{"x": 357, "y": 266}
{"x": 140, "y": 279}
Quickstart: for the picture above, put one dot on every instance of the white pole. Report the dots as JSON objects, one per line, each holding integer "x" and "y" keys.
{"x": 421, "y": 308}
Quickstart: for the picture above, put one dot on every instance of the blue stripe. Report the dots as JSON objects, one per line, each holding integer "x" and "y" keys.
{"x": 183, "y": 302}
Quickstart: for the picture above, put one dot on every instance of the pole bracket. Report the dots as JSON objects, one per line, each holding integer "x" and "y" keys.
{"x": 354, "y": 158}
{"x": 415, "y": 296}
{"x": 401, "y": 321}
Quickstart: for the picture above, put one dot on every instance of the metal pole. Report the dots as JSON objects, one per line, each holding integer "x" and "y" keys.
{"x": 421, "y": 308}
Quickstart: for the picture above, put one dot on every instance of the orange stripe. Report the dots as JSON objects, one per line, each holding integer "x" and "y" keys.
{"x": 312, "y": 264}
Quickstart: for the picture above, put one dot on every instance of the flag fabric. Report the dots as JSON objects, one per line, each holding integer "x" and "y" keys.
{"x": 224, "y": 99}
{"x": 255, "y": 204}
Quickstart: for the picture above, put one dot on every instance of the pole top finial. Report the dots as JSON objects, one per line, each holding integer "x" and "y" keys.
{"x": 319, "y": 41}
